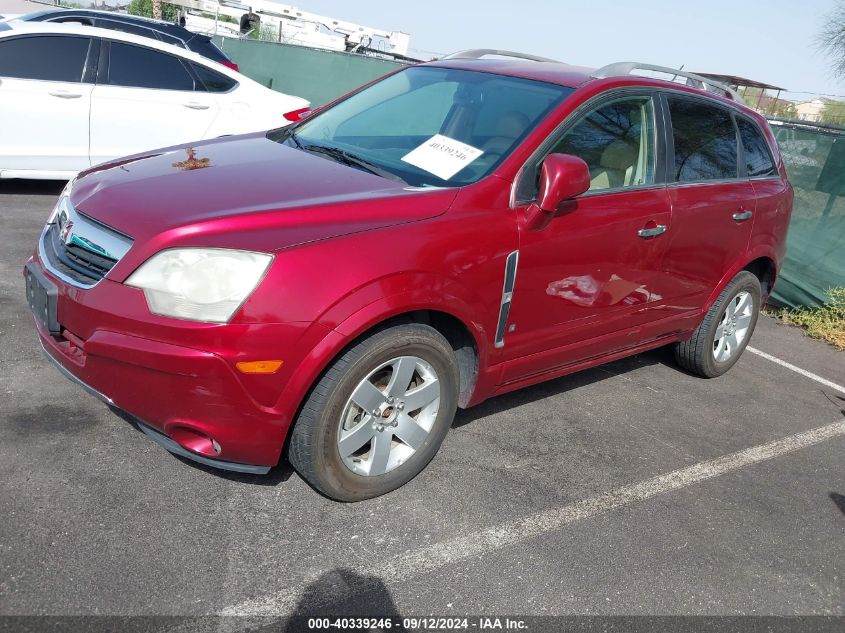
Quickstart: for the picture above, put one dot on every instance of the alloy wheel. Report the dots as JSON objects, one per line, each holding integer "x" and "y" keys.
{"x": 733, "y": 327}
{"x": 389, "y": 416}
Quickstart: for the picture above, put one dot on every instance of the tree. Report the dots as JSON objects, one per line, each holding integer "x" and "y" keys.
{"x": 833, "y": 112}
{"x": 144, "y": 8}
{"x": 831, "y": 38}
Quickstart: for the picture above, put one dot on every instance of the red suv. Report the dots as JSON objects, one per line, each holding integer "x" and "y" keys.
{"x": 453, "y": 231}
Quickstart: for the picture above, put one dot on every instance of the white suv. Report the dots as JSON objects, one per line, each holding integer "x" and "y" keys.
{"x": 73, "y": 96}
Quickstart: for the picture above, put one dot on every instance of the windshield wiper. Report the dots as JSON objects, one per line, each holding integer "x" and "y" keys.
{"x": 342, "y": 156}
{"x": 296, "y": 141}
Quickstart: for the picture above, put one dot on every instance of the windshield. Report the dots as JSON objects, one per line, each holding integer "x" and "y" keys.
{"x": 429, "y": 125}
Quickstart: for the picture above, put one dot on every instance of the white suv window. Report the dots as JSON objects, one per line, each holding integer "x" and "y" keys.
{"x": 44, "y": 57}
{"x": 139, "y": 67}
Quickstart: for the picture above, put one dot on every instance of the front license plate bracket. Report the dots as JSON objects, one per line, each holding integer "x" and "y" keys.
{"x": 42, "y": 297}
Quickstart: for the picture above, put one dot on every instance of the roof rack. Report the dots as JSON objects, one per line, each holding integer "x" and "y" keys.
{"x": 697, "y": 81}
{"x": 478, "y": 53}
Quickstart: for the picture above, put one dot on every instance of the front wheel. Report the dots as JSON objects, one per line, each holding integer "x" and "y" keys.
{"x": 378, "y": 415}
{"x": 724, "y": 333}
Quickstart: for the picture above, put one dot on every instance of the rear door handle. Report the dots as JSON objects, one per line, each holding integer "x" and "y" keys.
{"x": 652, "y": 231}
{"x": 64, "y": 94}
{"x": 742, "y": 216}
{"x": 193, "y": 105}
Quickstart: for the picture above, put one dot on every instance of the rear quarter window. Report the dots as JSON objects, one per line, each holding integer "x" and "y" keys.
{"x": 758, "y": 157}
{"x": 705, "y": 141}
{"x": 213, "y": 81}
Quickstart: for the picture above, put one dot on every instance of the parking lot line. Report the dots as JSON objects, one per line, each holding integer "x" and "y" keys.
{"x": 798, "y": 370}
{"x": 493, "y": 538}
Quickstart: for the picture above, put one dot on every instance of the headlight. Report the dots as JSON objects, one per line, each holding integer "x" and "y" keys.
{"x": 200, "y": 284}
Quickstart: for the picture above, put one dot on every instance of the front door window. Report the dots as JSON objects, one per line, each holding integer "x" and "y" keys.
{"x": 616, "y": 140}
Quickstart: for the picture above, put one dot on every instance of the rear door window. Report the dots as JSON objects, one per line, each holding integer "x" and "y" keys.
{"x": 45, "y": 57}
{"x": 705, "y": 141}
{"x": 758, "y": 158}
{"x": 140, "y": 67}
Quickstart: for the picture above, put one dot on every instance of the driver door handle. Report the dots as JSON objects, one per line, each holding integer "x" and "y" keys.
{"x": 193, "y": 105}
{"x": 64, "y": 94}
{"x": 742, "y": 216}
{"x": 652, "y": 231}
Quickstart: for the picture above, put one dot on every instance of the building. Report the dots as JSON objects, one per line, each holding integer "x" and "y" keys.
{"x": 811, "y": 110}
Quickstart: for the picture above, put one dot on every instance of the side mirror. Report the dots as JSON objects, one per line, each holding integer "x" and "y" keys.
{"x": 562, "y": 177}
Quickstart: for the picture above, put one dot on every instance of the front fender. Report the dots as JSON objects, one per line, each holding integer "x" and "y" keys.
{"x": 407, "y": 292}
{"x": 358, "y": 313}
{"x": 401, "y": 294}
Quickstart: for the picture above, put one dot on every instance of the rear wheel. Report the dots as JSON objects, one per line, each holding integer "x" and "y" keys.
{"x": 378, "y": 415}
{"x": 725, "y": 331}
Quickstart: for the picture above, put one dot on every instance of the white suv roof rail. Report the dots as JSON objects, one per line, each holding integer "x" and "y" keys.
{"x": 626, "y": 68}
{"x": 478, "y": 53}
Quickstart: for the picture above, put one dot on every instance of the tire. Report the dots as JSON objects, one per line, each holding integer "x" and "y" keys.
{"x": 701, "y": 354}
{"x": 333, "y": 420}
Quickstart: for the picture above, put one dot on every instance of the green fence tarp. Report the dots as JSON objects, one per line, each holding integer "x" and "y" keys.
{"x": 815, "y": 256}
{"x": 314, "y": 74}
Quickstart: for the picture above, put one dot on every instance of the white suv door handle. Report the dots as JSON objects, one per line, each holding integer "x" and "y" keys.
{"x": 742, "y": 216}
{"x": 64, "y": 94}
{"x": 652, "y": 231}
{"x": 193, "y": 105}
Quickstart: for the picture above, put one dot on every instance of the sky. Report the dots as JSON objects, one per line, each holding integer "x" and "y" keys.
{"x": 767, "y": 40}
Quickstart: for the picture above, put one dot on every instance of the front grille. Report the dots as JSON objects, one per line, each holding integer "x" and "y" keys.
{"x": 74, "y": 261}
{"x": 79, "y": 249}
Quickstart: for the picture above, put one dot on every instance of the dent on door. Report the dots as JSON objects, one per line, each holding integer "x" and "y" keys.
{"x": 587, "y": 281}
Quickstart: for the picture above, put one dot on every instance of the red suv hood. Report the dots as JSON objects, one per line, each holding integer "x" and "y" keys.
{"x": 244, "y": 192}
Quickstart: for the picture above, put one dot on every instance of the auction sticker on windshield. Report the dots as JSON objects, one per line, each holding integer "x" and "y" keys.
{"x": 442, "y": 156}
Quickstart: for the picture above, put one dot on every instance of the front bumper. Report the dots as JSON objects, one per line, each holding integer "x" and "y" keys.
{"x": 159, "y": 438}
{"x": 178, "y": 379}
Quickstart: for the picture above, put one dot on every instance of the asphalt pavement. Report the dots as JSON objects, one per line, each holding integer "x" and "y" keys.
{"x": 629, "y": 489}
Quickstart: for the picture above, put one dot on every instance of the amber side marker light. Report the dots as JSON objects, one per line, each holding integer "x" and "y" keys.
{"x": 259, "y": 366}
